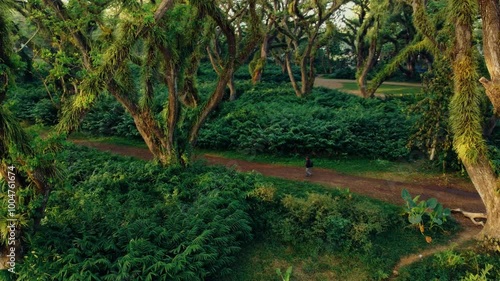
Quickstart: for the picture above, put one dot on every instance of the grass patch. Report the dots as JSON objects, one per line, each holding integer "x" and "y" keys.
{"x": 391, "y": 90}
{"x": 260, "y": 261}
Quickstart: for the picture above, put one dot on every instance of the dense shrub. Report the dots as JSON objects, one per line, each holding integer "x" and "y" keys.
{"x": 270, "y": 119}
{"x": 336, "y": 221}
{"x": 32, "y": 104}
{"x": 130, "y": 220}
{"x": 108, "y": 118}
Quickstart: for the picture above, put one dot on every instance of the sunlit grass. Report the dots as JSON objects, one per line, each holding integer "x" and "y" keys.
{"x": 392, "y": 90}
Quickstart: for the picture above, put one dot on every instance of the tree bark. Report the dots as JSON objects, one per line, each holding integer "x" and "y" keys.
{"x": 233, "y": 95}
{"x": 490, "y": 14}
{"x": 226, "y": 73}
{"x": 146, "y": 125}
{"x": 289, "y": 70}
{"x": 485, "y": 182}
{"x": 264, "y": 49}
{"x": 367, "y": 66}
{"x": 478, "y": 168}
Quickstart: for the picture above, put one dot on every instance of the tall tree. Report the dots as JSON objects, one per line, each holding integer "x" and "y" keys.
{"x": 268, "y": 16}
{"x": 481, "y": 170}
{"x": 162, "y": 41}
{"x": 378, "y": 25}
{"x": 465, "y": 113}
{"x": 303, "y": 25}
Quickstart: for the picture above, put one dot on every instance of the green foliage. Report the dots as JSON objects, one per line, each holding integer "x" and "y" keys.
{"x": 334, "y": 222}
{"x": 32, "y": 104}
{"x": 432, "y": 132}
{"x": 425, "y": 213}
{"x": 465, "y": 111}
{"x": 269, "y": 119}
{"x": 304, "y": 224}
{"x": 126, "y": 219}
{"x": 481, "y": 276}
{"x": 108, "y": 118}
{"x": 286, "y": 276}
{"x": 454, "y": 265}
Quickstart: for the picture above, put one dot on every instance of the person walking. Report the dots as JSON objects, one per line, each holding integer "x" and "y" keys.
{"x": 309, "y": 165}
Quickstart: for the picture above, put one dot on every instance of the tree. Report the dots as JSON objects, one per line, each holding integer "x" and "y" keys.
{"x": 162, "y": 42}
{"x": 269, "y": 32}
{"x": 465, "y": 113}
{"x": 380, "y": 30}
{"x": 246, "y": 25}
{"x": 303, "y": 24}
{"x": 27, "y": 169}
{"x": 481, "y": 170}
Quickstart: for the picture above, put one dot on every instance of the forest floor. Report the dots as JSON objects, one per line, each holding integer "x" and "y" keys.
{"x": 451, "y": 195}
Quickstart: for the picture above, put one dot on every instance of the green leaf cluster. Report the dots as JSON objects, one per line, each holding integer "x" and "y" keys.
{"x": 426, "y": 213}
{"x": 454, "y": 264}
{"x": 269, "y": 119}
{"x": 337, "y": 221}
{"x": 130, "y": 220}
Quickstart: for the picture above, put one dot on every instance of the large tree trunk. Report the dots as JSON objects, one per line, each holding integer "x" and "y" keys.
{"x": 307, "y": 73}
{"x": 146, "y": 125}
{"x": 465, "y": 114}
{"x": 233, "y": 94}
{"x": 490, "y": 13}
{"x": 485, "y": 181}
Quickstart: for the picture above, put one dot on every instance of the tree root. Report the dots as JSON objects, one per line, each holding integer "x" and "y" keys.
{"x": 472, "y": 216}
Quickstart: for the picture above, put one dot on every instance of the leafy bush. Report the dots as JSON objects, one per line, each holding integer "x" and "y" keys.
{"x": 425, "y": 213}
{"x": 32, "y": 104}
{"x": 337, "y": 222}
{"x": 130, "y": 220}
{"x": 108, "y": 118}
{"x": 272, "y": 120}
{"x": 455, "y": 265}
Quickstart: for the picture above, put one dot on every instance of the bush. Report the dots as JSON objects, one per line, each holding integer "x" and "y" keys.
{"x": 108, "y": 118}
{"x": 31, "y": 103}
{"x": 131, "y": 220}
{"x": 335, "y": 222}
{"x": 272, "y": 120}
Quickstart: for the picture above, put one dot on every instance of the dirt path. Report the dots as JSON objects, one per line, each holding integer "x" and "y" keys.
{"x": 390, "y": 191}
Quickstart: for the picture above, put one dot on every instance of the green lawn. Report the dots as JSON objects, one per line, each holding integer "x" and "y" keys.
{"x": 392, "y": 90}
